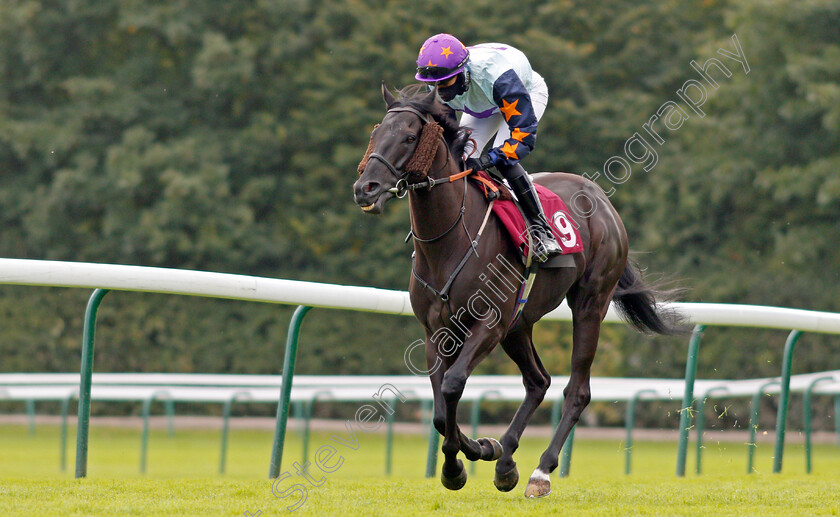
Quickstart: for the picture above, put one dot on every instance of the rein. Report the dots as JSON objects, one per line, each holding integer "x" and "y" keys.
{"x": 428, "y": 183}
{"x": 402, "y": 186}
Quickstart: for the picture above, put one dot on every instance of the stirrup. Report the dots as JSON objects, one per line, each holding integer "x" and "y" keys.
{"x": 545, "y": 245}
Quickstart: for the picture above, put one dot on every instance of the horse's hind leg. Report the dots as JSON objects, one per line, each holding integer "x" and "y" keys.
{"x": 520, "y": 347}
{"x": 587, "y": 313}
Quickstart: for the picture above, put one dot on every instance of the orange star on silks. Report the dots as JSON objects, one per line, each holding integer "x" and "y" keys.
{"x": 518, "y": 135}
{"x": 510, "y": 151}
{"x": 430, "y": 63}
{"x": 446, "y": 51}
{"x": 509, "y": 109}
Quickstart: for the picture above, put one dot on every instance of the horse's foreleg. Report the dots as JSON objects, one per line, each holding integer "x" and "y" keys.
{"x": 453, "y": 475}
{"x": 520, "y": 348}
{"x": 576, "y": 396}
{"x": 484, "y": 449}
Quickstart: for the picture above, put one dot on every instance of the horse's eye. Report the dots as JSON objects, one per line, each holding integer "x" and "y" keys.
{"x": 410, "y": 139}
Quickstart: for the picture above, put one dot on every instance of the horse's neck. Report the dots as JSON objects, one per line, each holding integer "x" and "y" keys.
{"x": 438, "y": 211}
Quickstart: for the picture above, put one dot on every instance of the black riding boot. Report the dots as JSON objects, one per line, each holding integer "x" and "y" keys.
{"x": 545, "y": 245}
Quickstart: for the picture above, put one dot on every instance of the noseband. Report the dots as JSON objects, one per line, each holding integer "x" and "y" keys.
{"x": 420, "y": 161}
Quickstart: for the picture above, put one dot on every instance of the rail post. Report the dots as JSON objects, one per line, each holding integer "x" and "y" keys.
{"x": 308, "y": 406}
{"x": 701, "y": 423}
{"x": 30, "y": 414}
{"x": 83, "y": 433}
{"x": 286, "y": 390}
{"x": 566, "y": 454}
{"x": 434, "y": 441}
{"x": 475, "y": 417}
{"x": 806, "y": 410}
{"x": 784, "y": 396}
{"x": 755, "y": 407}
{"x": 556, "y": 410}
{"x": 226, "y": 426}
{"x": 389, "y": 440}
{"x": 144, "y": 440}
{"x": 629, "y": 421}
{"x": 688, "y": 397}
{"x": 837, "y": 419}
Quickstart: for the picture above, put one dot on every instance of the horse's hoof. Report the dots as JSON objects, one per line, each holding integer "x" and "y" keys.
{"x": 539, "y": 485}
{"x": 456, "y": 482}
{"x": 491, "y": 443}
{"x": 507, "y": 481}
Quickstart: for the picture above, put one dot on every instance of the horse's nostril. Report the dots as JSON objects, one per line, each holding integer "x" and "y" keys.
{"x": 370, "y": 187}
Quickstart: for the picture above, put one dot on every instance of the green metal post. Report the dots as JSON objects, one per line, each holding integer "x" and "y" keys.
{"x": 556, "y": 410}
{"x": 389, "y": 441}
{"x": 83, "y": 433}
{"x": 806, "y": 409}
{"x": 30, "y": 413}
{"x": 784, "y": 396}
{"x": 476, "y": 417}
{"x": 566, "y": 454}
{"x": 426, "y": 413}
{"x": 629, "y": 422}
{"x": 837, "y": 418}
{"x": 688, "y": 397}
{"x": 169, "y": 405}
{"x": 144, "y": 439}
{"x": 65, "y": 408}
{"x": 307, "y": 416}
{"x": 297, "y": 409}
{"x": 226, "y": 426}
{"x": 701, "y": 423}
{"x": 432, "y": 453}
{"x": 756, "y": 405}
{"x": 286, "y": 390}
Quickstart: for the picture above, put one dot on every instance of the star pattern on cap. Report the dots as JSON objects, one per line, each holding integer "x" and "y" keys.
{"x": 510, "y": 150}
{"x": 446, "y": 52}
{"x": 509, "y": 109}
{"x": 430, "y": 63}
{"x": 518, "y": 135}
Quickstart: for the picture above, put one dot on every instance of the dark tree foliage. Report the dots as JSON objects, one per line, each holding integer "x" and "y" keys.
{"x": 224, "y": 136}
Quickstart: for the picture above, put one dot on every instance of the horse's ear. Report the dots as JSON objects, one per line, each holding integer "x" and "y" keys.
{"x": 430, "y": 98}
{"x": 387, "y": 95}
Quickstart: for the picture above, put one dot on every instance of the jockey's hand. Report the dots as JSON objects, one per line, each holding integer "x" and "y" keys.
{"x": 482, "y": 163}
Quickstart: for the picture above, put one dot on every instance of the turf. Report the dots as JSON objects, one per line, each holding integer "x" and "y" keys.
{"x": 182, "y": 479}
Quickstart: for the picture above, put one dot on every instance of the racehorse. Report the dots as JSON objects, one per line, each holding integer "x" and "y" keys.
{"x": 417, "y": 149}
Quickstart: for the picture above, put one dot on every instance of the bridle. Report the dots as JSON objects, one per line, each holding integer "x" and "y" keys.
{"x": 403, "y": 186}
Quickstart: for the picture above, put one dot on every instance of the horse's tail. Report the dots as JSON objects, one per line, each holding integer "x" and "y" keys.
{"x": 637, "y": 304}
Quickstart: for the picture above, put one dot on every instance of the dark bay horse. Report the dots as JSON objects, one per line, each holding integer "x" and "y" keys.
{"x": 463, "y": 261}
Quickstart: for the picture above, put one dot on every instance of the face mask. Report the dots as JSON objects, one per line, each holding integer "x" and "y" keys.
{"x": 460, "y": 86}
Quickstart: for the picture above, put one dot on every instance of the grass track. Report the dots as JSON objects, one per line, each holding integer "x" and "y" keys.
{"x": 182, "y": 479}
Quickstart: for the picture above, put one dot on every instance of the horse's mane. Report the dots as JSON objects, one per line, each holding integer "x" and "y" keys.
{"x": 417, "y": 97}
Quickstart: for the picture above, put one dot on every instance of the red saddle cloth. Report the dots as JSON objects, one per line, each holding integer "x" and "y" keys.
{"x": 558, "y": 215}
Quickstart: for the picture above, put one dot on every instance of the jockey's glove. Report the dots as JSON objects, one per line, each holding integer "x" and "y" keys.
{"x": 482, "y": 163}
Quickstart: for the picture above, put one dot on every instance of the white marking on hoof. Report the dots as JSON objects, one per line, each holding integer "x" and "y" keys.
{"x": 540, "y": 475}
{"x": 539, "y": 485}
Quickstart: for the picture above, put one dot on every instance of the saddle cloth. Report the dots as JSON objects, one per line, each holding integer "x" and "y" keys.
{"x": 558, "y": 215}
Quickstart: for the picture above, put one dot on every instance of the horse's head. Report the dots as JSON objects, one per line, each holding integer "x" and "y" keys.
{"x": 401, "y": 150}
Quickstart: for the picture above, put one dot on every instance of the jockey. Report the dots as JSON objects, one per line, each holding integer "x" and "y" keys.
{"x": 498, "y": 93}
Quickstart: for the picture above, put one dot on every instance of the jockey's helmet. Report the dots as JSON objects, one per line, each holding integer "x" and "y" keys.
{"x": 442, "y": 56}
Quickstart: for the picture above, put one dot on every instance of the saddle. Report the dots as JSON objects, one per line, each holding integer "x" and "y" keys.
{"x": 558, "y": 215}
